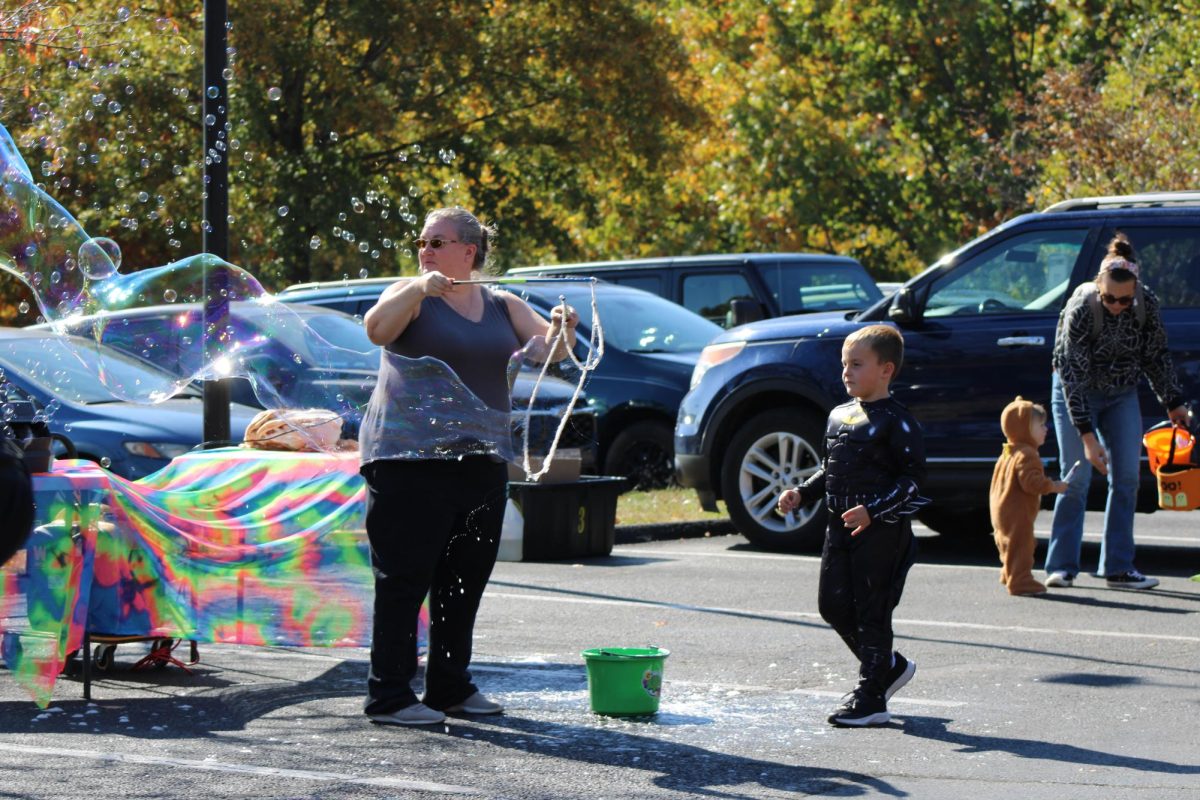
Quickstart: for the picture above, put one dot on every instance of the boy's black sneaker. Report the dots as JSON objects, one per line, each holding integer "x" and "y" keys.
{"x": 901, "y": 673}
{"x": 861, "y": 709}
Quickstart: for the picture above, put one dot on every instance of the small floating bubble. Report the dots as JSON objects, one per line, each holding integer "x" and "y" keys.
{"x": 99, "y": 257}
{"x": 274, "y": 93}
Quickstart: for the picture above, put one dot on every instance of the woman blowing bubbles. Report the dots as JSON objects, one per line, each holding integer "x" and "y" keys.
{"x": 434, "y": 517}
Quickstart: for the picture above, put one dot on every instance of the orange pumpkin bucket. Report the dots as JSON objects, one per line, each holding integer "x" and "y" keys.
{"x": 1169, "y": 448}
{"x": 1167, "y": 443}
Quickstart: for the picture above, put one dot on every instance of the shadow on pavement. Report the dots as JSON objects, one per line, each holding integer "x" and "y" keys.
{"x": 680, "y": 767}
{"x": 1093, "y": 679}
{"x": 231, "y": 707}
{"x": 1141, "y": 663}
{"x": 937, "y": 729}
{"x": 1057, "y": 596}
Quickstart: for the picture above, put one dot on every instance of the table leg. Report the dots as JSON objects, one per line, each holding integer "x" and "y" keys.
{"x": 87, "y": 665}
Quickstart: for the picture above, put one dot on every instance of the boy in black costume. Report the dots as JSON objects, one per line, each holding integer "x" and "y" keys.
{"x": 870, "y": 478}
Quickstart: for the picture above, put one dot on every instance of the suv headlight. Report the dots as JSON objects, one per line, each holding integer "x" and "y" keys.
{"x": 712, "y": 355}
{"x": 164, "y": 450}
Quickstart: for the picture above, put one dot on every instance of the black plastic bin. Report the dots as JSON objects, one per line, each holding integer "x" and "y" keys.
{"x": 567, "y": 520}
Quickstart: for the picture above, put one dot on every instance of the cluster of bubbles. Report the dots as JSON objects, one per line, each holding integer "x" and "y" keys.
{"x": 369, "y": 234}
{"x": 151, "y": 335}
{"x": 146, "y": 335}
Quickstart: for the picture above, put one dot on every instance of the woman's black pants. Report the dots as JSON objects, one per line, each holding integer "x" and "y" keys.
{"x": 862, "y": 578}
{"x": 16, "y": 505}
{"x": 434, "y": 528}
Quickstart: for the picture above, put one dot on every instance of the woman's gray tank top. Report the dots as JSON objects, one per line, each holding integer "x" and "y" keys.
{"x": 454, "y": 406}
{"x": 478, "y": 352}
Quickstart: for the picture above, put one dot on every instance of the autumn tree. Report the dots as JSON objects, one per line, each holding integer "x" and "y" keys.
{"x": 349, "y": 122}
{"x": 1128, "y": 123}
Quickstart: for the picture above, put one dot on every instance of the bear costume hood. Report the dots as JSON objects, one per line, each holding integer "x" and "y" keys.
{"x": 1016, "y": 422}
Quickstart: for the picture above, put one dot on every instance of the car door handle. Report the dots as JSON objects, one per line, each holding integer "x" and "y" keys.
{"x": 1021, "y": 341}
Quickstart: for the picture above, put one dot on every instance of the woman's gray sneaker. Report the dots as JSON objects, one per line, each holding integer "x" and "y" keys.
{"x": 416, "y": 714}
{"x": 476, "y": 704}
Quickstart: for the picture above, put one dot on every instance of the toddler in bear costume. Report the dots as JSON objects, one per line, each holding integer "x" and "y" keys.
{"x": 1018, "y": 483}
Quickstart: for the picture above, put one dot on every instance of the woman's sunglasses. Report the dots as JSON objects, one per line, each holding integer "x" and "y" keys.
{"x": 1113, "y": 300}
{"x": 435, "y": 243}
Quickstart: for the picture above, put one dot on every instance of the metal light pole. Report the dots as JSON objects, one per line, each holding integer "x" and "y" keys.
{"x": 216, "y": 212}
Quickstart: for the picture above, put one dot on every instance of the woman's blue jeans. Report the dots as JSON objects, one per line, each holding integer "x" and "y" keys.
{"x": 1117, "y": 421}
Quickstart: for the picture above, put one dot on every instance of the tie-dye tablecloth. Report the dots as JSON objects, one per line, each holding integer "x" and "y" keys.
{"x": 230, "y": 545}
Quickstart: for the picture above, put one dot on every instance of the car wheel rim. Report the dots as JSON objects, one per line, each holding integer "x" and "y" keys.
{"x": 648, "y": 465}
{"x": 773, "y": 463}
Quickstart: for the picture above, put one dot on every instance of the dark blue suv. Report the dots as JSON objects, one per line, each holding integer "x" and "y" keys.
{"x": 979, "y": 329}
{"x": 651, "y": 348}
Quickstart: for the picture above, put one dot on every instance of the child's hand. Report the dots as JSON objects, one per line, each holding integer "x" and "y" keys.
{"x": 1060, "y": 487}
{"x": 857, "y": 518}
{"x": 788, "y": 501}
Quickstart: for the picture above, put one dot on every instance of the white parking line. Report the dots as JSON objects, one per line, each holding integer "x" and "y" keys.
{"x": 752, "y": 612}
{"x": 771, "y": 557}
{"x": 240, "y": 769}
{"x": 643, "y": 550}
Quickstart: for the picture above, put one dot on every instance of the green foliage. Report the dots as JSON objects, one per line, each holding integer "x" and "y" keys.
{"x": 348, "y": 123}
{"x": 891, "y": 130}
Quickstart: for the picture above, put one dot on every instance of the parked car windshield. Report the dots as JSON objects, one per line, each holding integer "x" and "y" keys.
{"x": 633, "y": 320}
{"x": 1027, "y": 272}
{"x": 351, "y": 348}
{"x": 54, "y": 365}
{"x": 801, "y": 287}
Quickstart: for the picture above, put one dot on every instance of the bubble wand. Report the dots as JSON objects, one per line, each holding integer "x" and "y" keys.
{"x": 509, "y": 280}
{"x": 596, "y": 352}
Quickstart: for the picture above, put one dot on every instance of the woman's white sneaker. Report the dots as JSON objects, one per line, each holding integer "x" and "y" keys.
{"x": 1060, "y": 580}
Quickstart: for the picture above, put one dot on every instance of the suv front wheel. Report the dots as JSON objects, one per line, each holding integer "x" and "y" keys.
{"x": 643, "y": 452}
{"x": 774, "y": 451}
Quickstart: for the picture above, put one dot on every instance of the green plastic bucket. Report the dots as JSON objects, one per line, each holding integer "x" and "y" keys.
{"x": 625, "y": 681}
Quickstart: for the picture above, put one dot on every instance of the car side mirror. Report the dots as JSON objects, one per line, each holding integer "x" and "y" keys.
{"x": 904, "y": 307}
{"x": 743, "y": 310}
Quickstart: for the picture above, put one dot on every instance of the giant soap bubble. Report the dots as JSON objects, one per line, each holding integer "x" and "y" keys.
{"x": 201, "y": 318}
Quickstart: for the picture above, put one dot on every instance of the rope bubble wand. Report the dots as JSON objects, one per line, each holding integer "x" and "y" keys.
{"x": 561, "y": 339}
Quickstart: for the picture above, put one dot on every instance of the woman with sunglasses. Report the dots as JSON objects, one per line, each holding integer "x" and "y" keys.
{"x": 435, "y": 510}
{"x": 1099, "y": 358}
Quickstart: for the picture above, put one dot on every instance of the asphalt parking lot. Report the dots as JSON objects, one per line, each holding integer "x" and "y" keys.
{"x": 1086, "y": 693}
